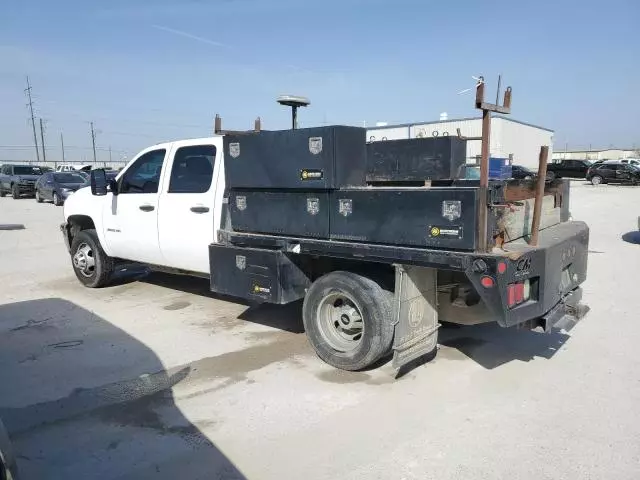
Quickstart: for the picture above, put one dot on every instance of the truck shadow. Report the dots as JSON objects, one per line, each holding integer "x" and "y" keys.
{"x": 283, "y": 317}
{"x": 81, "y": 398}
{"x": 488, "y": 344}
{"x": 491, "y": 346}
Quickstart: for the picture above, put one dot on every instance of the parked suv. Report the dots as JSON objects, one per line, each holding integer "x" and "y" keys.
{"x": 57, "y": 186}
{"x": 568, "y": 169}
{"x": 614, "y": 173}
{"x": 19, "y": 180}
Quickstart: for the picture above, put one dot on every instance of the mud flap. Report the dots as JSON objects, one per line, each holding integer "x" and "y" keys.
{"x": 415, "y": 313}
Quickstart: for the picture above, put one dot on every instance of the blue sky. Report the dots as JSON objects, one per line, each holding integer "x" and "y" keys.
{"x": 148, "y": 71}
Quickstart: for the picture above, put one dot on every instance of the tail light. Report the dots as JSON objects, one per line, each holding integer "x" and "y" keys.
{"x": 518, "y": 293}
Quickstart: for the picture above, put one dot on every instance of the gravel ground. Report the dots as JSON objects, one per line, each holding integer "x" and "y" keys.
{"x": 158, "y": 378}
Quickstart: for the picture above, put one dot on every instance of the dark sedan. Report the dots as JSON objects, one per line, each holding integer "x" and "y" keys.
{"x": 614, "y": 173}
{"x": 57, "y": 186}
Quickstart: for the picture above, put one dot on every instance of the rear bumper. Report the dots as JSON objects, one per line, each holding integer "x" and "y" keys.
{"x": 556, "y": 267}
{"x": 26, "y": 189}
{"x": 564, "y": 316}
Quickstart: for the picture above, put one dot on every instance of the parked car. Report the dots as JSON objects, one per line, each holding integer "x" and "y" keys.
{"x": 57, "y": 186}
{"x": 72, "y": 168}
{"x": 522, "y": 173}
{"x": 614, "y": 173}
{"x": 18, "y": 180}
{"x": 8, "y": 468}
{"x": 630, "y": 161}
{"x": 568, "y": 169}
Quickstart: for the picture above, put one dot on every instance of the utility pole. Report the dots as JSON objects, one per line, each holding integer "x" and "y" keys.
{"x": 62, "y": 145}
{"x": 93, "y": 143}
{"x": 33, "y": 120}
{"x": 44, "y": 154}
{"x": 109, "y": 154}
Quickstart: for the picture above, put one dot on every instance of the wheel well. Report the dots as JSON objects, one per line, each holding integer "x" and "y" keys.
{"x": 78, "y": 223}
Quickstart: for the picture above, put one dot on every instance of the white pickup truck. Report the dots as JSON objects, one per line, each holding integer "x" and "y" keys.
{"x": 166, "y": 212}
{"x": 363, "y": 297}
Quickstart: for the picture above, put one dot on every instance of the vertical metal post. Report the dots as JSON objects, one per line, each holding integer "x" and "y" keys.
{"x": 484, "y": 180}
{"x": 44, "y": 154}
{"x": 294, "y": 117}
{"x": 62, "y": 145}
{"x": 537, "y": 206}
{"x": 33, "y": 119}
{"x": 93, "y": 143}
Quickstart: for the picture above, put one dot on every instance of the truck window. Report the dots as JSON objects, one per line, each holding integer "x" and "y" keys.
{"x": 192, "y": 169}
{"x": 144, "y": 175}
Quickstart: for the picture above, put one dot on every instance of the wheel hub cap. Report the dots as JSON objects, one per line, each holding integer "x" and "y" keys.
{"x": 84, "y": 261}
{"x": 340, "y": 321}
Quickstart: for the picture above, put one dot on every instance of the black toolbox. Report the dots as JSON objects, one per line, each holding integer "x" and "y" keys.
{"x": 256, "y": 274}
{"x": 421, "y": 217}
{"x": 416, "y": 159}
{"x": 280, "y": 212}
{"x": 306, "y": 158}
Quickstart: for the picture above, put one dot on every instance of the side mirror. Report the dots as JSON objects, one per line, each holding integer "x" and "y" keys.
{"x": 99, "y": 182}
{"x": 113, "y": 186}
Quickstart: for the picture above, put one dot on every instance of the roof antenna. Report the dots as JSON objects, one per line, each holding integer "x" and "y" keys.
{"x": 294, "y": 102}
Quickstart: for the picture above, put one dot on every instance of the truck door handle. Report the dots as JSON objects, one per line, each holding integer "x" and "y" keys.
{"x": 147, "y": 208}
{"x": 199, "y": 209}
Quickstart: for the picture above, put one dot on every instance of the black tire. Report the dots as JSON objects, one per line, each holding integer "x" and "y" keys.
{"x": 38, "y": 196}
{"x": 597, "y": 180}
{"x": 15, "y": 191}
{"x": 551, "y": 176}
{"x": 374, "y": 306}
{"x": 103, "y": 265}
{"x": 2, "y": 192}
{"x": 56, "y": 199}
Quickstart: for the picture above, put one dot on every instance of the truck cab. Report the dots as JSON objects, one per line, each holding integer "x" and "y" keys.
{"x": 160, "y": 208}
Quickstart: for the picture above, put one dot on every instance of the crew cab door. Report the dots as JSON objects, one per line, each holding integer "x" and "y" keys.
{"x": 131, "y": 218}
{"x": 187, "y": 216}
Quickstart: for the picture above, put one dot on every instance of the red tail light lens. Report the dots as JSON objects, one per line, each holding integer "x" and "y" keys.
{"x": 487, "y": 282}
{"x": 518, "y": 293}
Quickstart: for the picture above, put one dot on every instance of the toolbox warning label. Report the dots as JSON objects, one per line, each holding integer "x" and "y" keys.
{"x": 447, "y": 231}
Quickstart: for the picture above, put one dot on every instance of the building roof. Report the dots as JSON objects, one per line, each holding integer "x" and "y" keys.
{"x": 596, "y": 150}
{"x": 432, "y": 122}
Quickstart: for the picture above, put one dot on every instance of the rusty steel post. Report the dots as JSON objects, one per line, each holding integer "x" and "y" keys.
{"x": 217, "y": 125}
{"x": 537, "y": 206}
{"x": 484, "y": 180}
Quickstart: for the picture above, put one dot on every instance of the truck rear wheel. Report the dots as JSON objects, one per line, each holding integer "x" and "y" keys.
{"x": 91, "y": 265}
{"x": 348, "y": 320}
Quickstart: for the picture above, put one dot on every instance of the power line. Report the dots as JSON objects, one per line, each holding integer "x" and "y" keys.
{"x": 33, "y": 120}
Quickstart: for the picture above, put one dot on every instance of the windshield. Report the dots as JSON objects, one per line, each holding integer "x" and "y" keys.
{"x": 27, "y": 171}
{"x": 69, "y": 178}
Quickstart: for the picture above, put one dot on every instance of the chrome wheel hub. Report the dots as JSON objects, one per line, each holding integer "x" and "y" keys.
{"x": 340, "y": 322}
{"x": 84, "y": 261}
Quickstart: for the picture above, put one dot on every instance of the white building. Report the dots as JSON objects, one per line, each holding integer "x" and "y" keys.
{"x": 508, "y": 137}
{"x": 607, "y": 154}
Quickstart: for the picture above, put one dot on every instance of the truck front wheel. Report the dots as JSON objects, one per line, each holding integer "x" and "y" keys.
{"x": 91, "y": 265}
{"x": 348, "y": 320}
